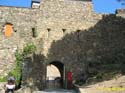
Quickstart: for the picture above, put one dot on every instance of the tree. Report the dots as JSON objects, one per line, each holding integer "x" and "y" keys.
{"x": 122, "y": 2}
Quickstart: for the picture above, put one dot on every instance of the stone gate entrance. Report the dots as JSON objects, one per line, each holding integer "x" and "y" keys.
{"x": 55, "y": 76}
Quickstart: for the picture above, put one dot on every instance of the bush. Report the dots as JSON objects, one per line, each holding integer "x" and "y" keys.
{"x": 17, "y": 71}
{"x": 29, "y": 49}
{"x": 3, "y": 79}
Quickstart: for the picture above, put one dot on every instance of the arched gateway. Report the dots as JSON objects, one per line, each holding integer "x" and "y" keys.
{"x": 55, "y": 75}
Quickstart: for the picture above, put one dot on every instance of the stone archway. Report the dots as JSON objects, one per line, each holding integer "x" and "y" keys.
{"x": 55, "y": 76}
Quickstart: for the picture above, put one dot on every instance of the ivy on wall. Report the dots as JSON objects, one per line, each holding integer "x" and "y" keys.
{"x": 20, "y": 56}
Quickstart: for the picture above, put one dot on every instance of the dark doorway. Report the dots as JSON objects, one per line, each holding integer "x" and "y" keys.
{"x": 55, "y": 76}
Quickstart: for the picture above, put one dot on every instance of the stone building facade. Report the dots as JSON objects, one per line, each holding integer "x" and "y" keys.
{"x": 70, "y": 35}
{"x": 19, "y": 18}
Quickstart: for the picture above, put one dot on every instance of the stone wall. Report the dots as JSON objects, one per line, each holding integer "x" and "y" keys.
{"x": 22, "y": 20}
{"x": 76, "y": 36}
{"x": 120, "y": 12}
{"x": 57, "y": 16}
{"x": 58, "y": 25}
{"x": 34, "y": 72}
{"x": 97, "y": 49}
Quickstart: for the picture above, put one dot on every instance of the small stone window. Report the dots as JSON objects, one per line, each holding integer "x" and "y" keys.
{"x": 34, "y": 32}
{"x": 78, "y": 34}
{"x": 48, "y": 29}
{"x": 78, "y": 31}
{"x": 64, "y": 30}
{"x": 8, "y": 29}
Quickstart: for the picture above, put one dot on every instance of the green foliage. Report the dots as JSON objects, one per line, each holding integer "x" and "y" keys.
{"x": 122, "y": 2}
{"x": 20, "y": 56}
{"x": 3, "y": 79}
{"x": 79, "y": 83}
{"x": 28, "y": 49}
{"x": 16, "y": 72}
{"x": 99, "y": 76}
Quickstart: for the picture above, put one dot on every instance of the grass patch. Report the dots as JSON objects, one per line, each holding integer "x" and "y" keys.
{"x": 3, "y": 79}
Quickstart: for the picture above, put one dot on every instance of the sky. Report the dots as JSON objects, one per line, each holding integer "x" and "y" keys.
{"x": 17, "y": 3}
{"x": 106, "y": 6}
{"x": 100, "y": 6}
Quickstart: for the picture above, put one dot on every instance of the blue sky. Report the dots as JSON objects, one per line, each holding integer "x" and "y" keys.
{"x": 18, "y": 3}
{"x": 106, "y": 6}
{"x": 100, "y": 6}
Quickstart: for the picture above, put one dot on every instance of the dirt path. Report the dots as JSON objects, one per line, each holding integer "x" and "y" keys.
{"x": 116, "y": 85}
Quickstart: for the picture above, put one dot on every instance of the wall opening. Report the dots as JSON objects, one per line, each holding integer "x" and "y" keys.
{"x": 48, "y": 29}
{"x": 8, "y": 29}
{"x": 55, "y": 75}
{"x": 34, "y": 32}
{"x": 64, "y": 30}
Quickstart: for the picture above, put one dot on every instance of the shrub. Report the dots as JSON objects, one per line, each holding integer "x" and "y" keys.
{"x": 20, "y": 56}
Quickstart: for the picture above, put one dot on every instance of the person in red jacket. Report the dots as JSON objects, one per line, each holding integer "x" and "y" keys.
{"x": 69, "y": 80}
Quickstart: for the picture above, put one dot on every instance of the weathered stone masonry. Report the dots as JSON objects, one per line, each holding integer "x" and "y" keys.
{"x": 22, "y": 20}
{"x": 68, "y": 32}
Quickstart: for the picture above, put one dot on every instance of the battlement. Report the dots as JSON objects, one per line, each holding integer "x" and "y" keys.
{"x": 61, "y": 6}
{"x": 35, "y": 4}
{"x": 120, "y": 12}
